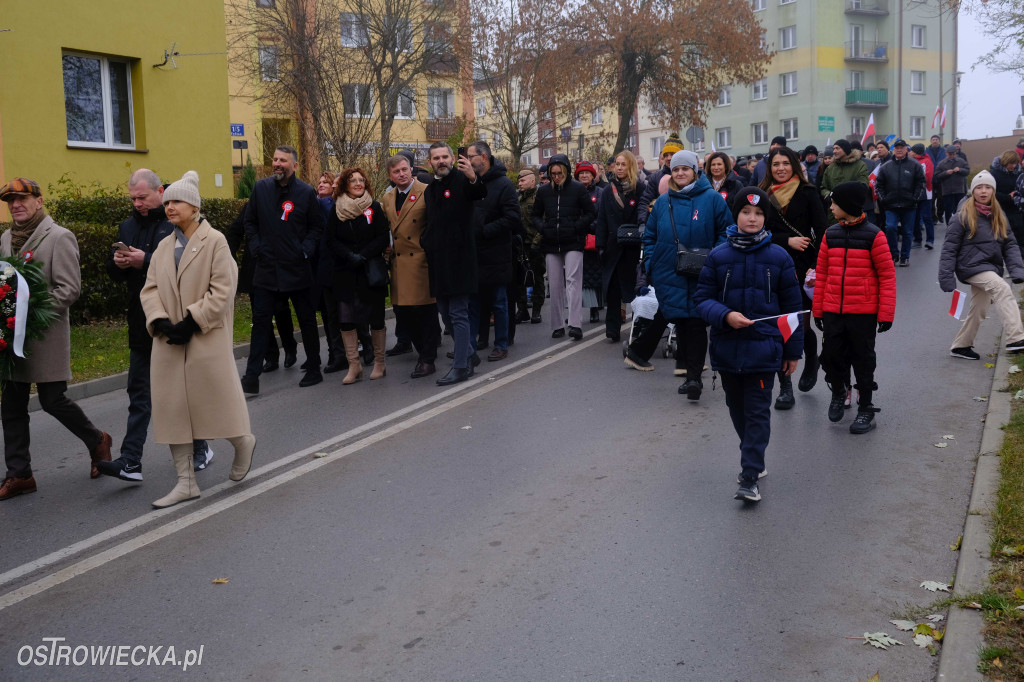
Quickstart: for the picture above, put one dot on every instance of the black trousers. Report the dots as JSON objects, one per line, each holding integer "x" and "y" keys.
{"x": 14, "y": 415}
{"x": 849, "y": 342}
{"x": 264, "y": 302}
{"x": 285, "y": 328}
{"x": 421, "y": 327}
{"x": 691, "y": 342}
{"x": 749, "y": 397}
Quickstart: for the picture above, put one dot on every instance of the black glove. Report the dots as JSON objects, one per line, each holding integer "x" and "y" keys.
{"x": 162, "y": 326}
{"x": 181, "y": 333}
{"x": 819, "y": 323}
{"x": 884, "y": 327}
{"x": 356, "y": 260}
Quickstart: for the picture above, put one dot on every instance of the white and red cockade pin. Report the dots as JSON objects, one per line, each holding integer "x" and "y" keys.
{"x": 287, "y": 207}
{"x": 447, "y": 193}
{"x": 369, "y": 215}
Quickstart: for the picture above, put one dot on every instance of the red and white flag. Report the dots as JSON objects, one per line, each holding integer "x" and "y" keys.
{"x": 869, "y": 131}
{"x": 942, "y": 119}
{"x": 956, "y": 307}
{"x": 788, "y": 324}
{"x": 935, "y": 118}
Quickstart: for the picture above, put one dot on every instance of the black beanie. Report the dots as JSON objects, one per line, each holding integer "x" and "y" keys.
{"x": 844, "y": 145}
{"x": 850, "y": 196}
{"x": 749, "y": 196}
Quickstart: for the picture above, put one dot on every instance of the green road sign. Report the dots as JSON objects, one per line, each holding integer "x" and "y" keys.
{"x": 826, "y": 124}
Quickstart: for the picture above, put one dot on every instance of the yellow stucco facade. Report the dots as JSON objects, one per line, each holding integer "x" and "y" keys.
{"x": 79, "y": 92}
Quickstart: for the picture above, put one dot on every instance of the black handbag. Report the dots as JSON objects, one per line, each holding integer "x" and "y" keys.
{"x": 629, "y": 235}
{"x": 689, "y": 262}
{"x": 376, "y": 272}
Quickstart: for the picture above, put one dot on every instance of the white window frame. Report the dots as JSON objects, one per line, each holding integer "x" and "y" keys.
{"x": 723, "y": 138}
{"x": 545, "y": 153}
{"x": 917, "y": 127}
{"x": 407, "y": 94}
{"x": 698, "y": 146}
{"x": 790, "y": 129}
{"x": 786, "y": 2}
{"x": 352, "y": 31}
{"x": 108, "y": 115}
{"x": 526, "y": 159}
{"x": 481, "y": 106}
{"x": 759, "y": 87}
{"x": 631, "y": 141}
{"x": 547, "y": 133}
{"x": 856, "y": 80}
{"x": 759, "y": 5}
{"x": 918, "y": 87}
{"x": 759, "y": 133}
{"x": 433, "y": 94}
{"x": 499, "y": 140}
{"x": 657, "y": 143}
{"x": 724, "y": 97}
{"x": 857, "y": 125}
{"x": 359, "y": 93}
{"x": 918, "y": 37}
{"x": 577, "y": 119}
{"x": 788, "y": 84}
{"x": 596, "y": 117}
{"x": 787, "y": 38}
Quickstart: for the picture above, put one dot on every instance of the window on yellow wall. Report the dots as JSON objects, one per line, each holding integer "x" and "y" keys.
{"x": 98, "y": 101}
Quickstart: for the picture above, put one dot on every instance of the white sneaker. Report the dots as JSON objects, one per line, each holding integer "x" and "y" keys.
{"x": 202, "y": 461}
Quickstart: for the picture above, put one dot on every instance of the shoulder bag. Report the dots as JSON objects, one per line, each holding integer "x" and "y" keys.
{"x": 689, "y": 262}
{"x": 626, "y": 234}
{"x": 376, "y": 272}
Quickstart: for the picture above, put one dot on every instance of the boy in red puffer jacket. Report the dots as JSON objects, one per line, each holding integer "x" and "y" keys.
{"x": 854, "y": 290}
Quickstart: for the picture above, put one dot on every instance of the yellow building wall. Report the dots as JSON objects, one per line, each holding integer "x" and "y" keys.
{"x": 180, "y": 114}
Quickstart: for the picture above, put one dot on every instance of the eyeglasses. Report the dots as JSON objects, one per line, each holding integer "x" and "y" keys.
{"x": 357, "y": 181}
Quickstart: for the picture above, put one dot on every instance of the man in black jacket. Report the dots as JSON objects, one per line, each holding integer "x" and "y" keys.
{"x": 900, "y": 187}
{"x": 496, "y": 219}
{"x": 563, "y": 214}
{"x": 283, "y": 227}
{"x": 451, "y": 249}
{"x": 140, "y": 233}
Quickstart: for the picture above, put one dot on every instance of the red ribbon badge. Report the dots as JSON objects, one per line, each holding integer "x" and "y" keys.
{"x": 288, "y": 207}
{"x": 696, "y": 213}
{"x": 593, "y": 200}
{"x": 447, "y": 194}
{"x": 369, "y": 215}
{"x": 28, "y": 256}
{"x": 632, "y": 202}
{"x": 725, "y": 195}
{"x": 412, "y": 198}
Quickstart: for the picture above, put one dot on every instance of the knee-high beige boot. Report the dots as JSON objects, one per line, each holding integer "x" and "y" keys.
{"x": 186, "y": 488}
{"x": 380, "y": 369}
{"x": 355, "y": 363}
{"x": 244, "y": 446}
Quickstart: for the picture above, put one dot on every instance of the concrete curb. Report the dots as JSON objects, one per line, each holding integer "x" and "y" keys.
{"x": 119, "y": 382}
{"x": 959, "y": 657}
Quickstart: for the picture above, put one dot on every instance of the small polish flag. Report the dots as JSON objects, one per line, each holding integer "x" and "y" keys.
{"x": 788, "y": 324}
{"x": 956, "y": 307}
{"x": 935, "y": 118}
{"x": 942, "y": 119}
{"x": 869, "y": 131}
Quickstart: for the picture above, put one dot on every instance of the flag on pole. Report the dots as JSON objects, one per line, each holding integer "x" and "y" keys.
{"x": 935, "y": 118}
{"x": 713, "y": 150}
{"x": 869, "y": 131}
{"x": 788, "y": 324}
{"x": 828, "y": 143}
{"x": 873, "y": 181}
{"x": 956, "y": 307}
{"x": 942, "y": 119}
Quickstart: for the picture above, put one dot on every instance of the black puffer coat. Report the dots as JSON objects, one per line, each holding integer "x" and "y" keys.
{"x": 496, "y": 218}
{"x": 563, "y": 214}
{"x": 806, "y": 214}
{"x": 619, "y": 258}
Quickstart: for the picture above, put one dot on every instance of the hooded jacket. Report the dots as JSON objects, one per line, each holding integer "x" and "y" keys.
{"x": 701, "y": 218}
{"x": 1006, "y": 182}
{"x": 850, "y": 168}
{"x": 496, "y": 219}
{"x": 563, "y": 214}
{"x": 964, "y": 257}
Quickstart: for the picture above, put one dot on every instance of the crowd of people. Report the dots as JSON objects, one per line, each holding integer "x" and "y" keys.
{"x": 732, "y": 244}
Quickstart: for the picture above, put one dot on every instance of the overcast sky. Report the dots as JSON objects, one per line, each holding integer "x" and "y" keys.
{"x": 989, "y": 102}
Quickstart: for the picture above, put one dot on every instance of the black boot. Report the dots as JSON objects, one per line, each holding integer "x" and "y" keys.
{"x": 809, "y": 377}
{"x": 785, "y": 401}
{"x": 864, "y": 421}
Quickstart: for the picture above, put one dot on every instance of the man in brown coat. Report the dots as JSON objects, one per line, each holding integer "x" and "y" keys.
{"x": 410, "y": 284}
{"x": 48, "y": 360}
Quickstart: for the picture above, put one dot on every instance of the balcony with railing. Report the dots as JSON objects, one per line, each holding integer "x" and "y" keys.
{"x": 440, "y": 128}
{"x": 867, "y": 51}
{"x": 871, "y": 8}
{"x": 863, "y": 98}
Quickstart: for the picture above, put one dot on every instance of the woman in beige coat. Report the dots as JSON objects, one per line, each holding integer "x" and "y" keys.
{"x": 189, "y": 304}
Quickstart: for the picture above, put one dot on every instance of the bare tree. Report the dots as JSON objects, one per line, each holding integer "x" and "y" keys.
{"x": 345, "y": 71}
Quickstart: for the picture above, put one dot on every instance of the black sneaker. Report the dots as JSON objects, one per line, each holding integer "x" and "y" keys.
{"x": 929, "y": 246}
{"x": 739, "y": 476}
{"x": 250, "y": 384}
{"x": 904, "y": 262}
{"x": 575, "y": 333}
{"x": 835, "y": 407}
{"x": 864, "y": 421}
{"x": 1015, "y": 346}
{"x": 636, "y": 362}
{"x": 121, "y": 468}
{"x": 201, "y": 460}
{"x": 748, "y": 491}
{"x": 965, "y": 353}
{"x": 691, "y": 389}
{"x": 558, "y": 333}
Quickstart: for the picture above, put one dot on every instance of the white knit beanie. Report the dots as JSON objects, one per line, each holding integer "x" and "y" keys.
{"x": 186, "y": 189}
{"x": 983, "y": 178}
{"x": 685, "y": 157}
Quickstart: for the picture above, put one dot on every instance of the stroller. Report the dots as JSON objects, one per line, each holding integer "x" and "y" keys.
{"x": 644, "y": 309}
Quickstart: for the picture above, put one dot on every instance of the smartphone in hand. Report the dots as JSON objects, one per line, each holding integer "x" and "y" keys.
{"x": 121, "y": 246}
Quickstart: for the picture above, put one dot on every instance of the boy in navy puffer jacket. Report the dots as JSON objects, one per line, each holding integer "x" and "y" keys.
{"x": 744, "y": 280}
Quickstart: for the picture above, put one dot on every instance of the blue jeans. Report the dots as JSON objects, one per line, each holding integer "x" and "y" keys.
{"x": 490, "y": 300}
{"x": 455, "y": 311}
{"x": 903, "y": 220}
{"x": 140, "y": 407}
{"x": 924, "y": 217}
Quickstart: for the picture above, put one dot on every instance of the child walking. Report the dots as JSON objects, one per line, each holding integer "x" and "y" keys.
{"x": 743, "y": 280}
{"x": 854, "y": 292}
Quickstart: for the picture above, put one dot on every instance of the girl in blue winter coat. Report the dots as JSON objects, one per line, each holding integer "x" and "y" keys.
{"x": 747, "y": 279}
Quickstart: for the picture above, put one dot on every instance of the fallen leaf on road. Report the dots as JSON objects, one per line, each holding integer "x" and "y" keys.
{"x": 933, "y": 586}
{"x": 873, "y": 678}
{"x": 466, "y": 428}
{"x": 905, "y": 625}
{"x": 1019, "y": 594}
{"x": 972, "y": 605}
{"x": 318, "y": 455}
{"x": 949, "y": 437}
{"x": 955, "y": 547}
{"x": 942, "y": 445}
{"x": 880, "y": 640}
{"x": 923, "y": 641}
{"x": 981, "y": 398}
{"x": 928, "y": 631}
{"x": 990, "y": 364}
{"x": 220, "y": 581}
{"x": 935, "y": 617}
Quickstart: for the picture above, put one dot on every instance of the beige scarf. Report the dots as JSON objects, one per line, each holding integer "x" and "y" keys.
{"x": 348, "y": 207}
{"x": 20, "y": 233}
{"x": 784, "y": 193}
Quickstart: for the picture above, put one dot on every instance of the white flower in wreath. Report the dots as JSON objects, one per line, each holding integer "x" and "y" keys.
{"x": 8, "y": 272}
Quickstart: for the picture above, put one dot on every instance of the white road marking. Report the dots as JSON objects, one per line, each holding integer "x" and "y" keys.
{"x": 485, "y": 384}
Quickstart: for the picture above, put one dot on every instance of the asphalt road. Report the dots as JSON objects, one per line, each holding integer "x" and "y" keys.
{"x": 560, "y": 517}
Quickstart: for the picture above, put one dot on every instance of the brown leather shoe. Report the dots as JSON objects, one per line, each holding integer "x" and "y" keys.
{"x": 496, "y": 355}
{"x": 13, "y": 487}
{"x": 101, "y": 453}
{"x": 423, "y": 369}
